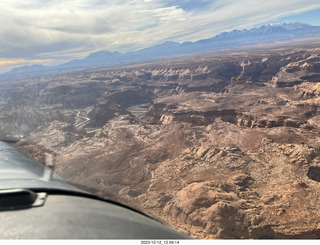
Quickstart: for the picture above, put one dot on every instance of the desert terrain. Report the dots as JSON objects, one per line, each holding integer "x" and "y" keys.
{"x": 221, "y": 145}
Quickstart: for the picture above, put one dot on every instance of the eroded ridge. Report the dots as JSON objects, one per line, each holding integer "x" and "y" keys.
{"x": 218, "y": 146}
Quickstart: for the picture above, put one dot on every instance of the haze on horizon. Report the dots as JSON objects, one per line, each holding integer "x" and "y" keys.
{"x": 53, "y": 32}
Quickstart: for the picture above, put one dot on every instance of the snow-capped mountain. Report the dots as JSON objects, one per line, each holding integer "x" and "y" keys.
{"x": 270, "y": 33}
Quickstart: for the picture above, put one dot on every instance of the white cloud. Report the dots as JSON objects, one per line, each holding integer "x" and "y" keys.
{"x": 36, "y": 28}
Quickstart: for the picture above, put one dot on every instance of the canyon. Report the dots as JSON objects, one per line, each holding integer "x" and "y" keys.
{"x": 221, "y": 145}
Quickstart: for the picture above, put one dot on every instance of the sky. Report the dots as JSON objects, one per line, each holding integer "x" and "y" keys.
{"x": 51, "y": 32}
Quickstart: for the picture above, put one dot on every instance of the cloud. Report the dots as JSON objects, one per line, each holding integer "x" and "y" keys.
{"x": 228, "y": 15}
{"x": 54, "y": 29}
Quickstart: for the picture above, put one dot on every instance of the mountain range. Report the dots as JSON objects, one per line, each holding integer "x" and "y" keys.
{"x": 270, "y": 33}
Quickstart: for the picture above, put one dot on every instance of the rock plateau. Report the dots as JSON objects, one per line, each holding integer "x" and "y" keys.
{"x": 221, "y": 145}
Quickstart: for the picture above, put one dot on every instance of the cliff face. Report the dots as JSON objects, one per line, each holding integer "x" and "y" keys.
{"x": 298, "y": 70}
{"x": 165, "y": 114}
{"x": 221, "y": 146}
{"x": 102, "y": 112}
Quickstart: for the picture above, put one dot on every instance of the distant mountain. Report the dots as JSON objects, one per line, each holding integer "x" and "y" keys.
{"x": 24, "y": 69}
{"x": 24, "y": 72}
{"x": 94, "y": 60}
{"x": 27, "y": 69}
{"x": 102, "y": 54}
{"x": 270, "y": 33}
